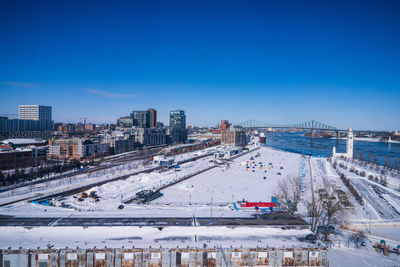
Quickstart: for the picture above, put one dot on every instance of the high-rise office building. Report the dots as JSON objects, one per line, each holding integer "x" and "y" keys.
{"x": 152, "y": 117}
{"x": 34, "y": 122}
{"x": 34, "y": 112}
{"x": 177, "y": 119}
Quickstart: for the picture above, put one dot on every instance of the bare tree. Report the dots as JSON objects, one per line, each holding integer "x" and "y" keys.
{"x": 315, "y": 210}
{"x": 334, "y": 208}
{"x": 289, "y": 194}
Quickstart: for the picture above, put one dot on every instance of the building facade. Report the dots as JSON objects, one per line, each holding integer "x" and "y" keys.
{"x": 34, "y": 112}
{"x": 34, "y": 121}
{"x": 76, "y": 148}
{"x": 150, "y": 136}
{"x": 177, "y": 135}
{"x": 125, "y": 122}
{"x": 14, "y": 159}
{"x": 234, "y": 136}
{"x": 124, "y": 144}
{"x": 305, "y": 255}
{"x": 141, "y": 118}
{"x": 177, "y": 119}
{"x": 16, "y": 128}
{"x": 153, "y": 117}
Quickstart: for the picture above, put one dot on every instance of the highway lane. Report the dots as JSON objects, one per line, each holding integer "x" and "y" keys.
{"x": 374, "y": 195}
{"x": 272, "y": 219}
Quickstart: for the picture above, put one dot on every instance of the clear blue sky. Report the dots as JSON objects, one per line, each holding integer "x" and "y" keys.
{"x": 274, "y": 61}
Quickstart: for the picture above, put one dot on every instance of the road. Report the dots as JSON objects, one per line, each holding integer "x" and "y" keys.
{"x": 374, "y": 194}
{"x": 272, "y": 219}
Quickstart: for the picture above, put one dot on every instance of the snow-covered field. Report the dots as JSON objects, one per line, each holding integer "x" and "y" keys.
{"x": 234, "y": 182}
{"x": 116, "y": 236}
{"x": 361, "y": 257}
{"x": 112, "y": 194}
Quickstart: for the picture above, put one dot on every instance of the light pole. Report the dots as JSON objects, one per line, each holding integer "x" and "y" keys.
{"x": 212, "y": 193}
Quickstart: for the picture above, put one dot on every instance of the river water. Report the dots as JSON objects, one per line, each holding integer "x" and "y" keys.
{"x": 298, "y": 143}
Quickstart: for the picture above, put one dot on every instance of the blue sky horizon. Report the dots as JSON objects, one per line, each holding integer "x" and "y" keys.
{"x": 279, "y": 62}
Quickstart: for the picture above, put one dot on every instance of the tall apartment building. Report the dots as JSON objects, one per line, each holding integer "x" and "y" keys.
{"x": 153, "y": 117}
{"x": 34, "y": 112}
{"x": 177, "y": 119}
{"x": 141, "y": 118}
{"x": 177, "y": 126}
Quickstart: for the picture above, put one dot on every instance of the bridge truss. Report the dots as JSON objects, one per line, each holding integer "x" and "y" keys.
{"x": 312, "y": 124}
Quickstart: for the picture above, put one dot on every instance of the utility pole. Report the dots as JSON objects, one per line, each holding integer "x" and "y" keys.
{"x": 212, "y": 193}
{"x": 369, "y": 220}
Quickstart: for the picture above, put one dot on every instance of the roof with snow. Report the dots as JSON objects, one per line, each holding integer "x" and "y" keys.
{"x": 23, "y": 141}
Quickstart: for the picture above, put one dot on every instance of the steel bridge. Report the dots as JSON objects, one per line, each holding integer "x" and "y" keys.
{"x": 310, "y": 125}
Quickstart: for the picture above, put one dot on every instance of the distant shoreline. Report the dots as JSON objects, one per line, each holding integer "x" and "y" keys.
{"x": 366, "y": 139}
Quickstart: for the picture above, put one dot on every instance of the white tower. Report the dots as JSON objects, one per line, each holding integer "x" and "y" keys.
{"x": 349, "y": 149}
{"x": 334, "y": 151}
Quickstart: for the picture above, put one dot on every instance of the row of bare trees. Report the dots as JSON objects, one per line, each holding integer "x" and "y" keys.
{"x": 324, "y": 208}
{"x": 389, "y": 163}
{"x": 42, "y": 172}
{"x": 382, "y": 180}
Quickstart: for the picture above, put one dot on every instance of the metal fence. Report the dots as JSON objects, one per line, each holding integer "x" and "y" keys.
{"x": 163, "y": 257}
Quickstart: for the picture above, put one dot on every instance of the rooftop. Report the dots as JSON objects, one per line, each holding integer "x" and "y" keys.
{"x": 23, "y": 141}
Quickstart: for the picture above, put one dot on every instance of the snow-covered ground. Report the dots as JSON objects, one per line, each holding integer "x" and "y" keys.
{"x": 392, "y": 177}
{"x": 111, "y": 194}
{"x": 381, "y": 203}
{"x": 118, "y": 236}
{"x": 234, "y": 182}
{"x": 360, "y": 257}
{"x": 75, "y": 181}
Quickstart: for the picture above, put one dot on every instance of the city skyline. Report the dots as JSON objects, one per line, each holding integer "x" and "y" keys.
{"x": 284, "y": 63}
